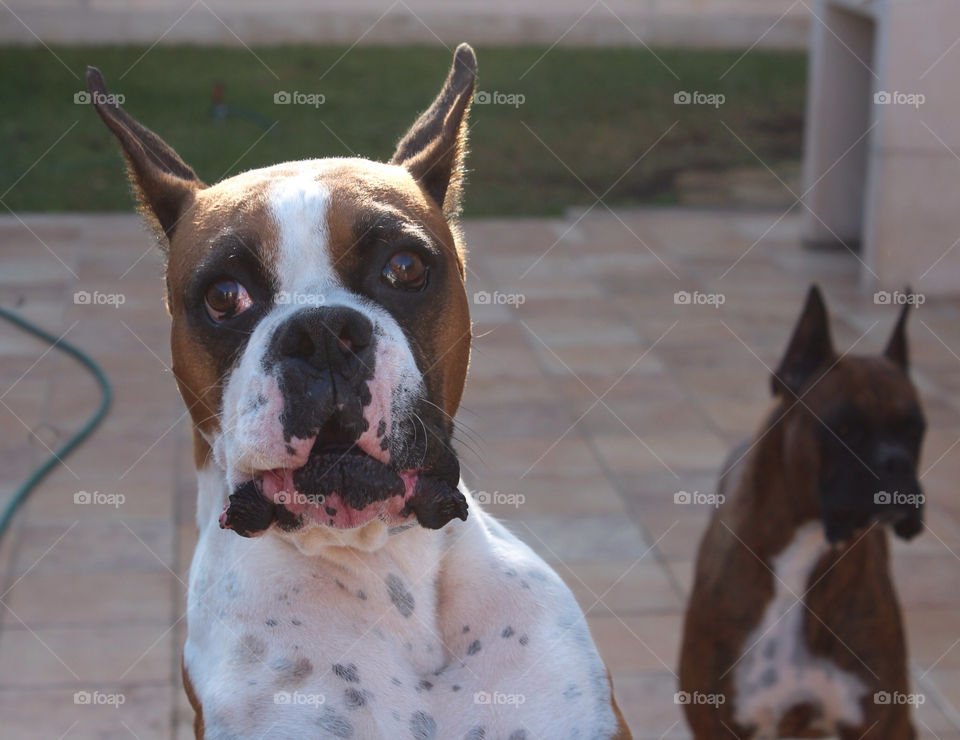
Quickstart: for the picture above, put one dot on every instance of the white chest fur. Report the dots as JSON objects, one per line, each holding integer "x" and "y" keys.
{"x": 778, "y": 672}
{"x": 463, "y": 632}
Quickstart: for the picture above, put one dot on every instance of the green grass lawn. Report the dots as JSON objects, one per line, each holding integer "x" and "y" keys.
{"x": 594, "y": 111}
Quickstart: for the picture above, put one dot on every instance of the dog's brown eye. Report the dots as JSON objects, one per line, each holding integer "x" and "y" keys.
{"x": 405, "y": 270}
{"x": 225, "y": 299}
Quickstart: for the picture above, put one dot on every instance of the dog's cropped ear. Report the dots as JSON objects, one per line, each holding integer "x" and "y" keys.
{"x": 897, "y": 349}
{"x": 164, "y": 184}
{"x": 810, "y": 348}
{"x": 433, "y": 150}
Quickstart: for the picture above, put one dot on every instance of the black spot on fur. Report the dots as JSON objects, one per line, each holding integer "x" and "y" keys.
{"x": 399, "y": 595}
{"x": 422, "y": 726}
{"x": 271, "y": 623}
{"x": 250, "y": 649}
{"x": 466, "y": 629}
{"x": 524, "y": 640}
{"x": 518, "y": 735}
{"x": 335, "y": 724}
{"x": 295, "y": 622}
{"x": 355, "y": 698}
{"x": 424, "y": 685}
{"x": 361, "y": 595}
{"x": 474, "y": 648}
{"x": 455, "y": 687}
{"x": 381, "y": 428}
{"x": 507, "y": 633}
{"x": 476, "y": 733}
{"x": 349, "y": 673}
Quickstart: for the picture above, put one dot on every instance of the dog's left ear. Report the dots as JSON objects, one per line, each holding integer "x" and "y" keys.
{"x": 897, "y": 350}
{"x": 433, "y": 149}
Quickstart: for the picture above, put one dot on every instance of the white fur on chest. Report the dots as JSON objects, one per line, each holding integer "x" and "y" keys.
{"x": 778, "y": 672}
{"x": 432, "y": 635}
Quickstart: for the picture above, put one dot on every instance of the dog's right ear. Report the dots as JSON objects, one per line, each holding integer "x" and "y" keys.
{"x": 165, "y": 186}
{"x": 810, "y": 348}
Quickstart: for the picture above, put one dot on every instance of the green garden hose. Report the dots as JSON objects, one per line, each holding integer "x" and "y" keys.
{"x": 106, "y": 395}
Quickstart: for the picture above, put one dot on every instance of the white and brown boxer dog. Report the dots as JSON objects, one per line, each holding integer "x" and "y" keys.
{"x": 320, "y": 340}
{"x": 793, "y": 628}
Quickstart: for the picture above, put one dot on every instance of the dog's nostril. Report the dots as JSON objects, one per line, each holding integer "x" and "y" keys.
{"x": 354, "y": 335}
{"x": 298, "y": 344}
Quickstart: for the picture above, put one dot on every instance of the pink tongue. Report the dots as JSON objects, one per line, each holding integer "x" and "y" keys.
{"x": 277, "y": 481}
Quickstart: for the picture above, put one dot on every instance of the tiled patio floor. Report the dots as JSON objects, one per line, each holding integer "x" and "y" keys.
{"x": 597, "y": 400}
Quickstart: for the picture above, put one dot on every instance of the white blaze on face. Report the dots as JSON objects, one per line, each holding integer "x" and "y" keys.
{"x": 252, "y": 438}
{"x": 778, "y": 672}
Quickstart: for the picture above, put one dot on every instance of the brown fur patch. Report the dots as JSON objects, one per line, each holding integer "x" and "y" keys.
{"x": 198, "y": 727}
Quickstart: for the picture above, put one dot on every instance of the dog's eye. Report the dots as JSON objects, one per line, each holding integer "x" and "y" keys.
{"x": 225, "y": 299}
{"x": 406, "y": 271}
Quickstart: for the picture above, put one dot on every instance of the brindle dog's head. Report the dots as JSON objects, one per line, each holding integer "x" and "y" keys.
{"x": 853, "y": 427}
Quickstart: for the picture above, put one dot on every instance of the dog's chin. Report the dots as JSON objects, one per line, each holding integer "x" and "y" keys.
{"x": 343, "y": 488}
{"x": 905, "y": 523}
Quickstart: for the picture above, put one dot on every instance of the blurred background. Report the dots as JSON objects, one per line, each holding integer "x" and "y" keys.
{"x": 652, "y": 187}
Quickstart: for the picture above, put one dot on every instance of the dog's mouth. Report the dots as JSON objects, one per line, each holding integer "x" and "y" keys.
{"x": 342, "y": 487}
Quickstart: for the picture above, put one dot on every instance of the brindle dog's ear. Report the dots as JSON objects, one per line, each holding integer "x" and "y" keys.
{"x": 810, "y": 348}
{"x": 433, "y": 150}
{"x": 897, "y": 345}
{"x": 164, "y": 185}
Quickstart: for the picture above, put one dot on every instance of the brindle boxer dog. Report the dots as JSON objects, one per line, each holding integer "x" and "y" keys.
{"x": 793, "y": 628}
{"x": 320, "y": 340}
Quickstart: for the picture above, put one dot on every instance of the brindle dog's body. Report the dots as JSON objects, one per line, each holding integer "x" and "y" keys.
{"x": 793, "y": 618}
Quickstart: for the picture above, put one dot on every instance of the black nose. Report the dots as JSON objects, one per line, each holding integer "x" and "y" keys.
{"x": 335, "y": 338}
{"x": 893, "y": 460}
